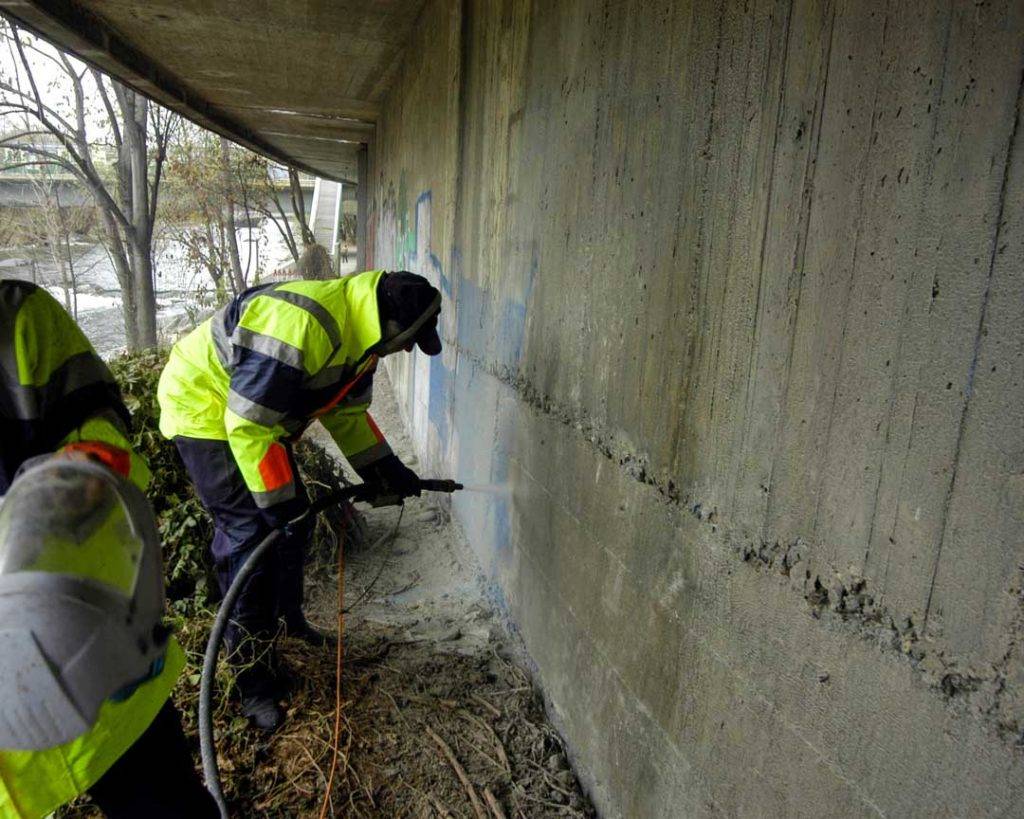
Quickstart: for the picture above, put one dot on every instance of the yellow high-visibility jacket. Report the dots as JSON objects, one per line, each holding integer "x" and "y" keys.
{"x": 56, "y": 393}
{"x": 54, "y": 389}
{"x": 276, "y": 358}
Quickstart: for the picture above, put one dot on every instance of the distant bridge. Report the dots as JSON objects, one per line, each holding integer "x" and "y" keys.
{"x": 22, "y": 190}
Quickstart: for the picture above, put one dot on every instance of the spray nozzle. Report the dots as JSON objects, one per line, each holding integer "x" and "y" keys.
{"x": 440, "y": 485}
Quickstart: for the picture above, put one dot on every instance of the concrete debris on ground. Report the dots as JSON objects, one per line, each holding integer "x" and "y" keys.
{"x": 443, "y": 720}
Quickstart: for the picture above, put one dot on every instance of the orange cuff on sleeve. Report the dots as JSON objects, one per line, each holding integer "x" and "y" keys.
{"x": 112, "y": 457}
{"x": 275, "y": 468}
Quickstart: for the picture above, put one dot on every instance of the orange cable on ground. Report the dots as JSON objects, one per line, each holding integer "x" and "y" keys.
{"x": 337, "y": 672}
{"x": 341, "y": 649}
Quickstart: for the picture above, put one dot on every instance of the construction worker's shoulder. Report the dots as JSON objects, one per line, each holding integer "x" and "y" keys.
{"x": 324, "y": 287}
{"x": 23, "y": 303}
{"x": 41, "y": 337}
{"x": 367, "y": 278}
{"x": 361, "y": 286}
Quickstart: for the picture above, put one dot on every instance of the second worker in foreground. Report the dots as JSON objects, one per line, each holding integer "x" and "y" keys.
{"x": 240, "y": 388}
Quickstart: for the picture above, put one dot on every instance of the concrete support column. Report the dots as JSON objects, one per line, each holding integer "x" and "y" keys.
{"x": 362, "y": 211}
{"x": 339, "y": 209}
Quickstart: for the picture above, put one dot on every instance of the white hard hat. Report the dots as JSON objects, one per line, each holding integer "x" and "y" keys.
{"x": 81, "y": 599}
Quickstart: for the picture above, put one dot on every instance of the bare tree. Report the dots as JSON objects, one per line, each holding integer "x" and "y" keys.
{"x": 139, "y": 132}
{"x": 55, "y": 230}
{"x": 54, "y": 223}
{"x": 276, "y": 214}
{"x": 211, "y": 184}
{"x": 230, "y": 227}
{"x": 299, "y": 207}
{"x": 195, "y": 207}
{"x": 267, "y": 203}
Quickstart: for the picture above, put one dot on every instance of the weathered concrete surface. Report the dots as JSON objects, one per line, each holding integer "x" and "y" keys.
{"x": 299, "y": 81}
{"x": 735, "y": 295}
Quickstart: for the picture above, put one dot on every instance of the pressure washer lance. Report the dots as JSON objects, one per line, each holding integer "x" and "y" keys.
{"x": 356, "y": 492}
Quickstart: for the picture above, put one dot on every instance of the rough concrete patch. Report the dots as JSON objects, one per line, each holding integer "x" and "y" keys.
{"x": 844, "y": 597}
{"x": 839, "y": 596}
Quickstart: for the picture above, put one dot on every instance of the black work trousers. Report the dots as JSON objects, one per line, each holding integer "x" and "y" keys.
{"x": 274, "y": 590}
{"x": 155, "y": 778}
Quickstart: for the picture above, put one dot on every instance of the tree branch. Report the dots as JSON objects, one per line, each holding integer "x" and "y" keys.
{"x": 21, "y": 135}
{"x": 111, "y": 116}
{"x": 161, "y": 122}
{"x": 28, "y": 68}
{"x": 50, "y": 158}
{"x": 73, "y": 139}
{"x": 286, "y": 233}
{"x": 299, "y": 206}
{"x": 34, "y": 109}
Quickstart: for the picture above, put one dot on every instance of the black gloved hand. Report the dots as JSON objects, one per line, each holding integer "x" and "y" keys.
{"x": 392, "y": 476}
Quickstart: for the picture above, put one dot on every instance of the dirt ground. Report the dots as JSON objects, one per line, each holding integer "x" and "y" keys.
{"x": 443, "y": 721}
{"x": 438, "y": 719}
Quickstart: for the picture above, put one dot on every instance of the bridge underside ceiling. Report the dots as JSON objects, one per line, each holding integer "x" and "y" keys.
{"x": 300, "y": 82}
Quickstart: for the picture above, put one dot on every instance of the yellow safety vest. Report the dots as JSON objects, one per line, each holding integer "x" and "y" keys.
{"x": 276, "y": 358}
{"x": 54, "y": 389}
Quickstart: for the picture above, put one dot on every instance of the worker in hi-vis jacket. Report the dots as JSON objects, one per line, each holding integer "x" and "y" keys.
{"x": 86, "y": 664}
{"x": 245, "y": 384}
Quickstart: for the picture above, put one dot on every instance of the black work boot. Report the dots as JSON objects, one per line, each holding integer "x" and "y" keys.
{"x": 263, "y": 712}
{"x": 254, "y": 662}
{"x": 301, "y": 629}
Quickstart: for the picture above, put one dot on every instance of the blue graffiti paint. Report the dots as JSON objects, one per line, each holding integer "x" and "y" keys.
{"x": 421, "y": 217}
{"x": 492, "y": 327}
{"x": 437, "y": 408}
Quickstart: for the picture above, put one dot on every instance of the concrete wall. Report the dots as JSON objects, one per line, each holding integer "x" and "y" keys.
{"x": 734, "y": 312}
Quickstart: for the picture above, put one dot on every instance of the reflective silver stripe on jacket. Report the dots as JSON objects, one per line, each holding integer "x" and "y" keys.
{"x": 253, "y": 411}
{"x": 329, "y": 376}
{"x": 314, "y": 308}
{"x": 268, "y": 346}
{"x": 221, "y": 341}
{"x": 368, "y": 456}
{"x": 264, "y": 500}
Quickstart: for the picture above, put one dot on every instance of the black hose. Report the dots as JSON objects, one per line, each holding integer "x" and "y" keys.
{"x": 206, "y": 746}
{"x": 220, "y": 623}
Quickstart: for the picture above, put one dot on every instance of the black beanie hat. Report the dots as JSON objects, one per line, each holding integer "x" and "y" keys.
{"x": 404, "y": 298}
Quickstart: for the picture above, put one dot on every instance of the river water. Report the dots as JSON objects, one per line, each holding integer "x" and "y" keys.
{"x": 183, "y": 293}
